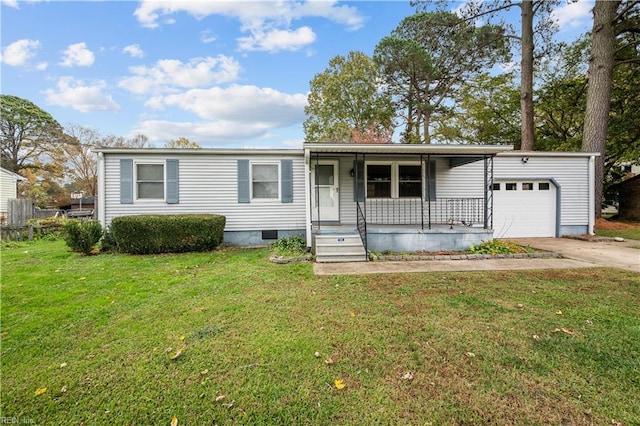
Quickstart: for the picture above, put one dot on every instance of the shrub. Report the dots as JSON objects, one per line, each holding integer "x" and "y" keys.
{"x": 107, "y": 243}
{"x": 497, "y": 247}
{"x": 82, "y": 235}
{"x": 50, "y": 228}
{"x": 289, "y": 246}
{"x": 147, "y": 234}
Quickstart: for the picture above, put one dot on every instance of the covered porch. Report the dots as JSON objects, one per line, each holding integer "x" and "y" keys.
{"x": 399, "y": 197}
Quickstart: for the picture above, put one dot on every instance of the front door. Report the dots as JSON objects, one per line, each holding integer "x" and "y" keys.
{"x": 326, "y": 197}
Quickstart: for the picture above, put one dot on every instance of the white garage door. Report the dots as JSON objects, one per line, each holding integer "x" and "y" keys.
{"x": 524, "y": 209}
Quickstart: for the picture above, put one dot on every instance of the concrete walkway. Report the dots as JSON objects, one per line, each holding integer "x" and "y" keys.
{"x": 576, "y": 254}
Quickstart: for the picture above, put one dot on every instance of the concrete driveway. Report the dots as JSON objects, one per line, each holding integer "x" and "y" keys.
{"x": 601, "y": 253}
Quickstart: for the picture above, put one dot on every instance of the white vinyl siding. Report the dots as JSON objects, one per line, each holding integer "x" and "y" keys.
{"x": 209, "y": 184}
{"x": 8, "y": 185}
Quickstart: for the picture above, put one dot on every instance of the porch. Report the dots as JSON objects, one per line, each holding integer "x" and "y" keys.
{"x": 403, "y": 198}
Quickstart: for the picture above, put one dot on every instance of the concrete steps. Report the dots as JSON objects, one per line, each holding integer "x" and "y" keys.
{"x": 339, "y": 248}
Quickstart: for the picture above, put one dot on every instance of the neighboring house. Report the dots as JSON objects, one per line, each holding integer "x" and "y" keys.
{"x": 629, "y": 198}
{"x": 8, "y": 188}
{"x": 347, "y": 199}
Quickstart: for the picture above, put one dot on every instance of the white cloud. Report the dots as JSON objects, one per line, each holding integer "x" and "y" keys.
{"x": 207, "y": 37}
{"x": 573, "y": 15}
{"x": 228, "y": 115}
{"x": 73, "y": 93}
{"x": 42, "y": 66}
{"x": 266, "y": 22}
{"x": 19, "y": 52}
{"x": 243, "y": 105}
{"x": 10, "y": 3}
{"x": 77, "y": 54}
{"x": 134, "y": 50}
{"x": 275, "y": 40}
{"x": 170, "y": 74}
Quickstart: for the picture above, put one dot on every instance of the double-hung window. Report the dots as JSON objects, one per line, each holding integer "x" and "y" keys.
{"x": 150, "y": 181}
{"x": 394, "y": 180}
{"x": 264, "y": 181}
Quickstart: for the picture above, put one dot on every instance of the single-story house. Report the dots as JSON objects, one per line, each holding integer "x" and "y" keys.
{"x": 629, "y": 198}
{"x": 8, "y": 188}
{"x": 349, "y": 199}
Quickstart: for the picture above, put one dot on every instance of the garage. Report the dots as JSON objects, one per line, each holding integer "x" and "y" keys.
{"x": 524, "y": 208}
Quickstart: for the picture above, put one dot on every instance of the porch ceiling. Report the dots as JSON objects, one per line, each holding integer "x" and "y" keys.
{"x": 448, "y": 150}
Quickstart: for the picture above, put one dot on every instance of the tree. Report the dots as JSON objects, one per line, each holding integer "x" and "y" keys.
{"x": 487, "y": 112}
{"x": 486, "y": 11}
{"x": 345, "y": 100}
{"x": 183, "y": 143}
{"x": 426, "y": 58}
{"x": 81, "y": 166}
{"x": 28, "y": 134}
{"x": 612, "y": 21}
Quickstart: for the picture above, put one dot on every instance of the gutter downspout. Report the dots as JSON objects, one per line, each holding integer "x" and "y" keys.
{"x": 592, "y": 197}
{"x": 307, "y": 190}
{"x": 102, "y": 198}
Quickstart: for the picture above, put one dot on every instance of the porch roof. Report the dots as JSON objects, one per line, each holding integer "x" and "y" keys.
{"x": 448, "y": 150}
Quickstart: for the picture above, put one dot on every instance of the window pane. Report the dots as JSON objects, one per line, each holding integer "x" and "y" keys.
{"x": 379, "y": 189}
{"x": 153, "y": 190}
{"x": 527, "y": 186}
{"x": 265, "y": 172}
{"x": 496, "y": 187}
{"x": 510, "y": 186}
{"x": 150, "y": 172}
{"x": 324, "y": 174}
{"x": 543, "y": 186}
{"x": 379, "y": 181}
{"x": 265, "y": 189}
{"x": 410, "y": 181}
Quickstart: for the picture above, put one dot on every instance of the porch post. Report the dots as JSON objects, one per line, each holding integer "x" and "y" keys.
{"x": 308, "y": 207}
{"x": 317, "y": 189}
{"x": 488, "y": 191}
{"x": 422, "y": 194}
{"x": 429, "y": 189}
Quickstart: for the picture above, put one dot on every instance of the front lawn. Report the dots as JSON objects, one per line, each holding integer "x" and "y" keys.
{"x": 231, "y": 338}
{"x": 609, "y": 228}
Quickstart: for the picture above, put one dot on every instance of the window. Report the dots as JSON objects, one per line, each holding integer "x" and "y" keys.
{"x": 150, "y": 181}
{"x": 510, "y": 186}
{"x": 527, "y": 186}
{"x": 496, "y": 187}
{"x": 379, "y": 180}
{"x": 543, "y": 186}
{"x": 409, "y": 181}
{"x": 264, "y": 181}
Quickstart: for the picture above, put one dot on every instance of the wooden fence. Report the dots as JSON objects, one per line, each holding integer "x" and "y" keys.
{"x": 17, "y": 226}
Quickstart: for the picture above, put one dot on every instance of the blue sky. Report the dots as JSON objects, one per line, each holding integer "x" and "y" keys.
{"x": 220, "y": 73}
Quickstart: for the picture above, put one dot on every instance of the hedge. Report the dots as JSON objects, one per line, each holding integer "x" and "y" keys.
{"x": 147, "y": 234}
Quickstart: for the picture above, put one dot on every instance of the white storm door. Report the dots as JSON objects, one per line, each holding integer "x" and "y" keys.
{"x": 326, "y": 192}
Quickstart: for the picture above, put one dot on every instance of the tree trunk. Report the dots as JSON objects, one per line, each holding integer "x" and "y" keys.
{"x": 600, "y": 76}
{"x": 427, "y": 121}
{"x": 526, "y": 79}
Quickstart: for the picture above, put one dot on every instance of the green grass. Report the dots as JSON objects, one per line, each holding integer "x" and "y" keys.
{"x": 98, "y": 333}
{"x": 629, "y": 233}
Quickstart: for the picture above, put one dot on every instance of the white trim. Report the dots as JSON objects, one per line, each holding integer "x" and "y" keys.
{"x": 102, "y": 199}
{"x": 307, "y": 196}
{"x": 592, "y": 195}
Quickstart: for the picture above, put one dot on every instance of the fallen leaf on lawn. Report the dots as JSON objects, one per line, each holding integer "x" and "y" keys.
{"x": 520, "y": 305}
{"x": 339, "y": 384}
{"x": 228, "y": 405}
{"x": 177, "y": 355}
{"x": 204, "y": 372}
{"x": 219, "y": 398}
{"x": 536, "y": 337}
{"x": 328, "y": 361}
{"x": 40, "y": 391}
{"x": 82, "y": 278}
{"x": 181, "y": 337}
{"x": 63, "y": 365}
{"x": 564, "y": 330}
{"x": 64, "y": 389}
{"x": 317, "y": 354}
{"x": 174, "y": 421}
{"x": 470, "y": 354}
{"x": 353, "y": 314}
{"x": 408, "y": 375}
{"x": 558, "y": 312}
